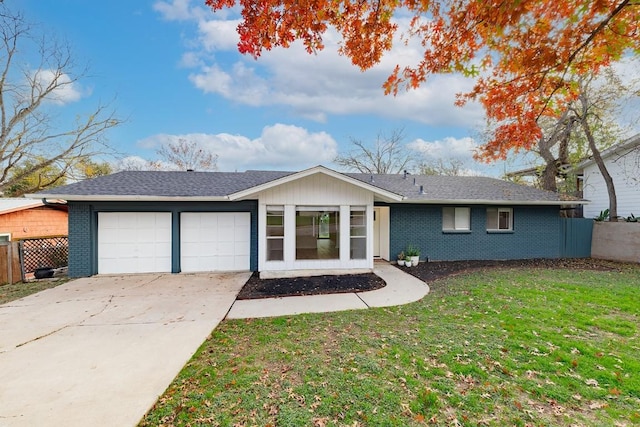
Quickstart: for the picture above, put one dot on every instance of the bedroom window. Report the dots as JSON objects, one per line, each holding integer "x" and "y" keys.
{"x": 456, "y": 219}
{"x": 317, "y": 232}
{"x": 499, "y": 219}
{"x": 275, "y": 233}
{"x": 358, "y": 232}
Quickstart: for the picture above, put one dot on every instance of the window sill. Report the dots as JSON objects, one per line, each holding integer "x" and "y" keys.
{"x": 456, "y": 231}
{"x": 499, "y": 231}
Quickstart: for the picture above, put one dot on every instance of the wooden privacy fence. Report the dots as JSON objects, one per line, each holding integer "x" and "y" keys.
{"x": 19, "y": 260}
{"x": 575, "y": 237}
{"x": 10, "y": 269}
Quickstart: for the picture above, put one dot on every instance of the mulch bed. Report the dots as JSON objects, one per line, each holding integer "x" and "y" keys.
{"x": 426, "y": 271}
{"x": 314, "y": 285}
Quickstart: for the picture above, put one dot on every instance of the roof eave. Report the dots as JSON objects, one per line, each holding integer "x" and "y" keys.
{"x": 130, "y": 198}
{"x": 497, "y": 202}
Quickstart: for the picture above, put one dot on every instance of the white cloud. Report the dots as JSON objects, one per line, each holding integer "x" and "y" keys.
{"x": 178, "y": 10}
{"x": 218, "y": 35}
{"x": 447, "y": 148}
{"x": 314, "y": 86}
{"x": 66, "y": 91}
{"x": 457, "y": 150}
{"x": 280, "y": 147}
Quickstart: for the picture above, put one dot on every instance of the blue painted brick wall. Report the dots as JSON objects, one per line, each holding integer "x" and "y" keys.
{"x": 536, "y": 234}
{"x": 80, "y": 240}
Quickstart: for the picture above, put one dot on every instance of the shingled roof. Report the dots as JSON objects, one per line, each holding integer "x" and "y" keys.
{"x": 149, "y": 185}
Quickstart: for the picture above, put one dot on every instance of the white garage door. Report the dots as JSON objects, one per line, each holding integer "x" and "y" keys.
{"x": 134, "y": 242}
{"x": 215, "y": 241}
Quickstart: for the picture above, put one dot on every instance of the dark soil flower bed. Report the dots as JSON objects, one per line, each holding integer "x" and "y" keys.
{"x": 314, "y": 285}
{"x": 426, "y": 271}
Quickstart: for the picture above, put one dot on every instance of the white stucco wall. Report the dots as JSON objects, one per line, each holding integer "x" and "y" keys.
{"x": 624, "y": 168}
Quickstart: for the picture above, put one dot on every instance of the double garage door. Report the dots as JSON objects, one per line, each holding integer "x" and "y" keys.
{"x": 141, "y": 242}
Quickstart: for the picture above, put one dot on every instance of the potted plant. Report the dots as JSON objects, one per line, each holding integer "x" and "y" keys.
{"x": 401, "y": 258}
{"x": 413, "y": 253}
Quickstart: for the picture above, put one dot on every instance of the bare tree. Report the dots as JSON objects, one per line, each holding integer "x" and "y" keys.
{"x": 448, "y": 167}
{"x": 32, "y": 139}
{"x": 387, "y": 155}
{"x": 187, "y": 155}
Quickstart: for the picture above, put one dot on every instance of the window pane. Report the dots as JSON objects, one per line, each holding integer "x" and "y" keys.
{"x": 275, "y": 249}
{"x": 358, "y": 230}
{"x": 462, "y": 219}
{"x": 275, "y": 222}
{"x": 492, "y": 218}
{"x": 317, "y": 233}
{"x": 504, "y": 222}
{"x": 448, "y": 218}
{"x": 358, "y": 248}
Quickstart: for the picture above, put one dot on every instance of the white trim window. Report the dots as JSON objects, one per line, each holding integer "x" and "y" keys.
{"x": 499, "y": 219}
{"x": 317, "y": 232}
{"x": 358, "y": 232}
{"x": 275, "y": 233}
{"x": 5, "y": 237}
{"x": 456, "y": 219}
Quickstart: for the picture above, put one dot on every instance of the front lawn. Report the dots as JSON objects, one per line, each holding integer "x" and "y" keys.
{"x": 19, "y": 290}
{"x": 523, "y": 347}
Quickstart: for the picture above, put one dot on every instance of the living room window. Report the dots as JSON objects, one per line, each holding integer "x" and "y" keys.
{"x": 499, "y": 219}
{"x": 317, "y": 232}
{"x": 456, "y": 219}
{"x": 275, "y": 233}
{"x": 358, "y": 232}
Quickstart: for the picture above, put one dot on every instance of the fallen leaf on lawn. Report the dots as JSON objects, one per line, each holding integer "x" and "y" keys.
{"x": 592, "y": 382}
{"x": 320, "y": 422}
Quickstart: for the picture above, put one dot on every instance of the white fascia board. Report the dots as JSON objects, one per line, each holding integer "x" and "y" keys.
{"x": 628, "y": 144}
{"x": 384, "y": 194}
{"x": 499, "y": 202}
{"x": 131, "y": 198}
{"x": 35, "y": 204}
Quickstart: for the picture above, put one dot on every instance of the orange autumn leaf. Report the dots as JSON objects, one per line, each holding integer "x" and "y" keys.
{"x": 524, "y": 55}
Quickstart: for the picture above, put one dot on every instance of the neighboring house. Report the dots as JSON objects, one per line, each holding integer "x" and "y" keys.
{"x": 623, "y": 164}
{"x": 288, "y": 222}
{"x": 25, "y": 218}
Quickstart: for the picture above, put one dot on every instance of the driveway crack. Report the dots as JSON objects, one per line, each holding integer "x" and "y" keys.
{"x": 55, "y": 331}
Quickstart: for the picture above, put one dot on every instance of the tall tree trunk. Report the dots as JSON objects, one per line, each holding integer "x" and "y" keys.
{"x": 611, "y": 190}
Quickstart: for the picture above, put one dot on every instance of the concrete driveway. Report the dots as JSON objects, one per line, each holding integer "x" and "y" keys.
{"x": 100, "y": 350}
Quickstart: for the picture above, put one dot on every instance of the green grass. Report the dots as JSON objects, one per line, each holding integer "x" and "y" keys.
{"x": 505, "y": 347}
{"x": 19, "y": 290}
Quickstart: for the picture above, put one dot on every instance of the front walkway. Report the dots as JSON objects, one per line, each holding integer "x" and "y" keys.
{"x": 402, "y": 288}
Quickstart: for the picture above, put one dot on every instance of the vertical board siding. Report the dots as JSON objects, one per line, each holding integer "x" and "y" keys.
{"x": 575, "y": 237}
{"x": 624, "y": 169}
{"x": 536, "y": 234}
{"x": 317, "y": 190}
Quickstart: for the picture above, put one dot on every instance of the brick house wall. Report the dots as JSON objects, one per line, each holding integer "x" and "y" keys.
{"x": 536, "y": 234}
{"x": 40, "y": 221}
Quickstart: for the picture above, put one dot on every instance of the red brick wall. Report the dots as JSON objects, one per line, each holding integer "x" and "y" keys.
{"x": 35, "y": 222}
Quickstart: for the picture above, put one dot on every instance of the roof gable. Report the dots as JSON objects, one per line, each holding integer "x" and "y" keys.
{"x": 382, "y": 193}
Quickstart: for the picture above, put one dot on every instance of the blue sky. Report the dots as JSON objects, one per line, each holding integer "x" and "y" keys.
{"x": 171, "y": 68}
